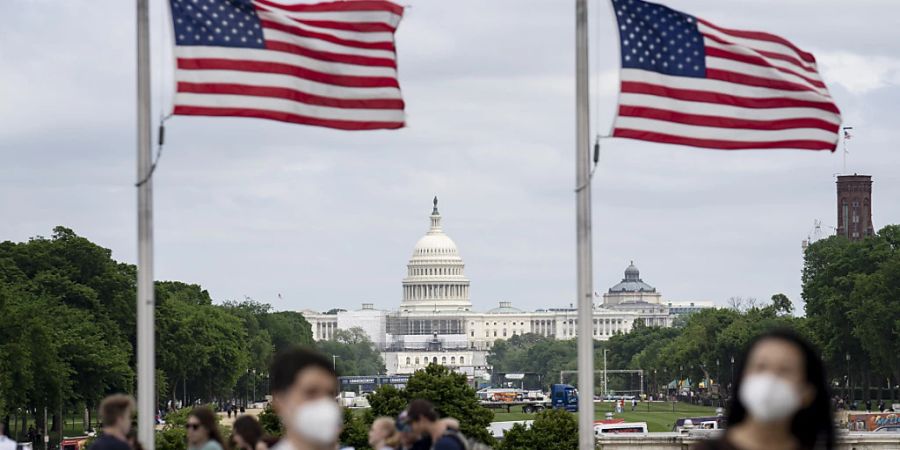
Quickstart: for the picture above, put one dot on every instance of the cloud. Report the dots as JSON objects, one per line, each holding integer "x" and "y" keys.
{"x": 859, "y": 73}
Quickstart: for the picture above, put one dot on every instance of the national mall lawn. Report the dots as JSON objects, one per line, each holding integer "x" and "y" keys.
{"x": 659, "y": 417}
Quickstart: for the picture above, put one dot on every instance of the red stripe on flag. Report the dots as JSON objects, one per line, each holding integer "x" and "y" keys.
{"x": 342, "y": 6}
{"x": 285, "y": 69}
{"x": 758, "y": 61}
{"x": 767, "y": 54}
{"x": 722, "y": 144}
{"x": 760, "y": 36}
{"x": 636, "y": 87}
{"x": 287, "y": 47}
{"x": 186, "y": 110}
{"x": 297, "y": 31}
{"x": 750, "y": 80}
{"x": 725, "y": 122}
{"x": 362, "y": 27}
{"x": 288, "y": 94}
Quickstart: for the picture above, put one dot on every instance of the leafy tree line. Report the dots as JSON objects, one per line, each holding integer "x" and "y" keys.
{"x": 850, "y": 292}
{"x": 68, "y": 337}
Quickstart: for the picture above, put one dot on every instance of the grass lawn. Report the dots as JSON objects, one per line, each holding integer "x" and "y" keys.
{"x": 659, "y": 418}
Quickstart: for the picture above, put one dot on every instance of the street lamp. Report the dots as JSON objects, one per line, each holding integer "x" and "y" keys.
{"x": 731, "y": 390}
{"x": 334, "y": 362}
{"x": 849, "y": 389}
{"x": 718, "y": 381}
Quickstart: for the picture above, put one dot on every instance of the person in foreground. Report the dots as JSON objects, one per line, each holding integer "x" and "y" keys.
{"x": 424, "y": 422}
{"x": 115, "y": 414}
{"x": 384, "y": 435}
{"x": 782, "y": 398}
{"x": 203, "y": 430}
{"x": 304, "y": 387}
{"x": 248, "y": 434}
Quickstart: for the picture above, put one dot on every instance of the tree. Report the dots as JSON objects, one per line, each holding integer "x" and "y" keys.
{"x": 782, "y": 305}
{"x": 355, "y": 353}
{"x": 452, "y": 397}
{"x": 552, "y": 429}
{"x": 355, "y": 432}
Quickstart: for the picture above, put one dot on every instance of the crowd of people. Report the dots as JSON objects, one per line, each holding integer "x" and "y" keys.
{"x": 782, "y": 403}
{"x": 304, "y": 387}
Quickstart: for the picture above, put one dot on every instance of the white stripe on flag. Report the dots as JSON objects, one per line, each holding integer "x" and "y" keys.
{"x": 286, "y": 81}
{"x": 726, "y": 134}
{"x": 756, "y": 44}
{"x": 342, "y": 34}
{"x": 716, "y": 86}
{"x": 288, "y": 106}
{"x": 273, "y": 56}
{"x": 721, "y": 110}
{"x": 324, "y": 46}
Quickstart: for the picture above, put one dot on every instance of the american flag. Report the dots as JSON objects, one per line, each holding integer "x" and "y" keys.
{"x": 330, "y": 64}
{"x": 686, "y": 81}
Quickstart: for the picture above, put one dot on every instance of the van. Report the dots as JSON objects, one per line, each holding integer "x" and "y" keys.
{"x": 620, "y": 428}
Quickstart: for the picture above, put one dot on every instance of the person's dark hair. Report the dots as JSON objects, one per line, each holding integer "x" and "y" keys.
{"x": 114, "y": 407}
{"x": 249, "y": 429}
{"x": 813, "y": 425}
{"x": 291, "y": 361}
{"x": 133, "y": 439}
{"x": 207, "y": 419}
{"x": 419, "y": 408}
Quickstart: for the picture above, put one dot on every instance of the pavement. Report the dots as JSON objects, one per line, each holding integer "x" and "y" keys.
{"x": 229, "y": 421}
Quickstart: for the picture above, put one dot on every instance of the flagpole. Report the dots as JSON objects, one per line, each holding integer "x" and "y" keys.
{"x": 583, "y": 232}
{"x": 146, "y": 395}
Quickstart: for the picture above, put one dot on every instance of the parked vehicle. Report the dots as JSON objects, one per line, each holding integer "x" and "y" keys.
{"x": 873, "y": 422}
{"x": 562, "y": 396}
{"x": 620, "y": 428}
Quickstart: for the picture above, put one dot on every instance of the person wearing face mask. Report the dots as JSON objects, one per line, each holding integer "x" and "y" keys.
{"x": 304, "y": 386}
{"x": 203, "y": 430}
{"x": 781, "y": 398}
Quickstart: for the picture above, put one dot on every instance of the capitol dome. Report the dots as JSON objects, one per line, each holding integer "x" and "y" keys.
{"x": 435, "y": 279}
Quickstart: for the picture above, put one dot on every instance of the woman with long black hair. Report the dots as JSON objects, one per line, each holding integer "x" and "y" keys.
{"x": 781, "y": 398}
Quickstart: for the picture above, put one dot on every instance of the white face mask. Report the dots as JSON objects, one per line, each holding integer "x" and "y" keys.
{"x": 318, "y": 421}
{"x": 769, "y": 398}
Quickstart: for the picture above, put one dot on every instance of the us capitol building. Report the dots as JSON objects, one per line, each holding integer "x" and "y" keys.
{"x": 436, "y": 323}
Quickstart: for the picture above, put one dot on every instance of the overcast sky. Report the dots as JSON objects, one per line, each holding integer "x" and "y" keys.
{"x": 247, "y": 207}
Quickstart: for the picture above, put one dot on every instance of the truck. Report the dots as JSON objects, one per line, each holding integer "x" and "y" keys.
{"x": 562, "y": 396}
{"x": 880, "y": 422}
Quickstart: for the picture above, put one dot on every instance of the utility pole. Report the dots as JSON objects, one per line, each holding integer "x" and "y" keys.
{"x": 583, "y": 232}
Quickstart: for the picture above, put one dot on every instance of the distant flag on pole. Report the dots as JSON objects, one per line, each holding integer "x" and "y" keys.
{"x": 331, "y": 64}
{"x": 686, "y": 81}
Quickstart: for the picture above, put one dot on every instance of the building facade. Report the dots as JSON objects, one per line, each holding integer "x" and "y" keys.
{"x": 854, "y": 206}
{"x": 435, "y": 321}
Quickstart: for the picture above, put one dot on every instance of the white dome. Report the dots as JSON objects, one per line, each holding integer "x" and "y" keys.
{"x": 435, "y": 278}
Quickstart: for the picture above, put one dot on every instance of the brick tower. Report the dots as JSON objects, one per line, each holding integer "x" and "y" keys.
{"x": 854, "y": 206}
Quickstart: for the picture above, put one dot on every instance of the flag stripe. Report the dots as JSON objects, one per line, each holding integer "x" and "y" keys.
{"x": 289, "y": 94}
{"x": 355, "y": 6}
{"x": 724, "y": 99}
{"x": 752, "y": 80}
{"x": 716, "y": 86}
{"x": 287, "y": 106}
{"x": 347, "y": 26}
{"x": 290, "y": 58}
{"x": 299, "y": 31}
{"x": 760, "y": 36}
{"x": 719, "y": 121}
{"x": 759, "y": 46}
{"x": 284, "y": 69}
{"x": 350, "y": 125}
{"x": 288, "y": 47}
{"x": 728, "y": 111}
{"x": 773, "y": 58}
{"x": 761, "y": 73}
{"x": 721, "y": 144}
{"x": 324, "y": 46}
{"x": 763, "y": 62}
{"x": 284, "y": 81}
{"x": 713, "y": 132}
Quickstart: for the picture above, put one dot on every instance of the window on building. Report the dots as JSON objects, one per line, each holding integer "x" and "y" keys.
{"x": 434, "y": 360}
{"x": 417, "y": 360}
{"x": 453, "y": 360}
{"x": 473, "y": 333}
{"x": 495, "y": 333}
{"x": 504, "y": 332}
{"x": 407, "y": 360}
{"x": 462, "y": 360}
{"x": 444, "y": 360}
